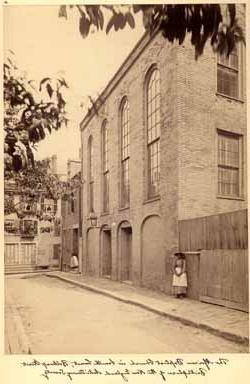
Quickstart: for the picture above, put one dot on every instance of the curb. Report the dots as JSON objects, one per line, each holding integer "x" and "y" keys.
{"x": 28, "y": 273}
{"x": 215, "y": 331}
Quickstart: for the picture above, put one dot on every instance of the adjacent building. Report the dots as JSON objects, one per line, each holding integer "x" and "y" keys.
{"x": 71, "y": 216}
{"x": 32, "y": 232}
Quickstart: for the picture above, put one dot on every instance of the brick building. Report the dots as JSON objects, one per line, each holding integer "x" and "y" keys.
{"x": 32, "y": 239}
{"x": 73, "y": 167}
{"x": 71, "y": 216}
{"x": 168, "y": 144}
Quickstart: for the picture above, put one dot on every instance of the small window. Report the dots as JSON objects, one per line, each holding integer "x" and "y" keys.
{"x": 228, "y": 74}
{"x": 28, "y": 227}
{"x": 12, "y": 226}
{"x": 229, "y": 164}
{"x": 48, "y": 205}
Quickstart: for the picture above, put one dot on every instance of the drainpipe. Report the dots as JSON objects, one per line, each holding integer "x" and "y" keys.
{"x": 80, "y": 217}
{"x": 80, "y": 234}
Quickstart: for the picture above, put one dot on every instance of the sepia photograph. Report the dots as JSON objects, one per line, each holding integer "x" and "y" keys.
{"x": 125, "y": 179}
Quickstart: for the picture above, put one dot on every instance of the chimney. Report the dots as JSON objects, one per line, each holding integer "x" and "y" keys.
{"x": 69, "y": 169}
{"x": 54, "y": 164}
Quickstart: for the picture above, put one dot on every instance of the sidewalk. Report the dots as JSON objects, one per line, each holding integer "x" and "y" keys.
{"x": 228, "y": 323}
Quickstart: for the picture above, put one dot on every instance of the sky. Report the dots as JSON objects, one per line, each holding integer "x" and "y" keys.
{"x": 46, "y": 45}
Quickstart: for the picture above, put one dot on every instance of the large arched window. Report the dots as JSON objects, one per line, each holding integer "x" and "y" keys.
{"x": 125, "y": 152}
{"x": 153, "y": 132}
{"x": 90, "y": 176}
{"x": 105, "y": 166}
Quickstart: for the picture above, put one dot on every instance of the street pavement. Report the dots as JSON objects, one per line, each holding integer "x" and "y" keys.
{"x": 57, "y": 317}
{"x": 229, "y": 323}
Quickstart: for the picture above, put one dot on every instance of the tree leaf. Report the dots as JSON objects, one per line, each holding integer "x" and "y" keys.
{"x": 60, "y": 100}
{"x": 48, "y": 126}
{"x": 84, "y": 26}
{"x": 101, "y": 19}
{"x": 63, "y": 82}
{"x": 49, "y": 89}
{"x": 30, "y": 156}
{"x": 93, "y": 15}
{"x": 147, "y": 19}
{"x": 130, "y": 20}
{"x": 43, "y": 81}
{"x": 10, "y": 61}
{"x": 93, "y": 105}
{"x": 41, "y": 132}
{"x": 28, "y": 96}
{"x": 110, "y": 24}
{"x": 6, "y": 69}
{"x": 63, "y": 11}
{"x": 119, "y": 21}
{"x": 13, "y": 53}
{"x": 17, "y": 163}
{"x": 137, "y": 8}
{"x": 232, "y": 13}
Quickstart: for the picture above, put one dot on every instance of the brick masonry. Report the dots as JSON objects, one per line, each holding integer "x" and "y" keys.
{"x": 191, "y": 113}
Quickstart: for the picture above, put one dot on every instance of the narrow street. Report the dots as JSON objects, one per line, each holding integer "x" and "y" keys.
{"x": 60, "y": 318}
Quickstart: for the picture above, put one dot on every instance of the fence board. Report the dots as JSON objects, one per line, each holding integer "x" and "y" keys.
{"x": 193, "y": 273}
{"x": 20, "y": 253}
{"x": 11, "y": 253}
{"x": 223, "y": 231}
{"x": 224, "y": 277}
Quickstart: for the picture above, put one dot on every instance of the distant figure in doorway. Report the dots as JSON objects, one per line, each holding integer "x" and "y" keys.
{"x": 74, "y": 262}
{"x": 179, "y": 275}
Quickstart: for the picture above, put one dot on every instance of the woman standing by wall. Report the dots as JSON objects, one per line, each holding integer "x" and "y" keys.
{"x": 179, "y": 275}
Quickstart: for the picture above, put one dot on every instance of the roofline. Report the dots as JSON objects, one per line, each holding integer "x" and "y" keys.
{"x": 119, "y": 74}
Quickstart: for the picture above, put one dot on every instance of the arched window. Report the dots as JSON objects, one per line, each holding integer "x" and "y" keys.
{"x": 153, "y": 132}
{"x": 90, "y": 176}
{"x": 105, "y": 166}
{"x": 125, "y": 153}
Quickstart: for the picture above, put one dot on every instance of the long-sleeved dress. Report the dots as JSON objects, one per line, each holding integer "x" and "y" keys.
{"x": 179, "y": 280}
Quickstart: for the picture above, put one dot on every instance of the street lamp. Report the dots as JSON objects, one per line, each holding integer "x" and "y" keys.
{"x": 93, "y": 219}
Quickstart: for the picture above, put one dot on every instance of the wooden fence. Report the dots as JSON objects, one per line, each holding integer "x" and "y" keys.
{"x": 223, "y": 231}
{"x": 20, "y": 253}
{"x": 224, "y": 278}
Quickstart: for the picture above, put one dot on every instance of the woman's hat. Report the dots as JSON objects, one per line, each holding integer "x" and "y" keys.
{"x": 179, "y": 254}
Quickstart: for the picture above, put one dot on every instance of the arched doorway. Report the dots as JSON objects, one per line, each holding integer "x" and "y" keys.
{"x": 125, "y": 251}
{"x": 153, "y": 254}
{"x": 106, "y": 251}
{"x": 93, "y": 251}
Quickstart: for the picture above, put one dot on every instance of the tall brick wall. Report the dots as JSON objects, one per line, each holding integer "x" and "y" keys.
{"x": 132, "y": 86}
{"x": 190, "y": 114}
{"x": 201, "y": 112}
